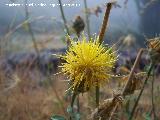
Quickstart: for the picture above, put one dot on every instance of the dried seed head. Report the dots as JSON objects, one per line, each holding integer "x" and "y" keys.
{"x": 154, "y": 44}
{"x": 78, "y": 25}
{"x": 154, "y": 49}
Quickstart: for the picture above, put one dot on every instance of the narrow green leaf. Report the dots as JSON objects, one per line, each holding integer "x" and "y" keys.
{"x": 57, "y": 117}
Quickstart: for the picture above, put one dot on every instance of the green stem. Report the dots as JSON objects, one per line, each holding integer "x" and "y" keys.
{"x": 97, "y": 96}
{"x": 140, "y": 94}
{"x": 64, "y": 21}
{"x": 78, "y": 104}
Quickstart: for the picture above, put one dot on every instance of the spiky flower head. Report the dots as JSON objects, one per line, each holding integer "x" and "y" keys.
{"x": 88, "y": 64}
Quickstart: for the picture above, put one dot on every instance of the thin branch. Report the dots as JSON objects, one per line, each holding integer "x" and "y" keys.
{"x": 124, "y": 92}
{"x": 24, "y": 22}
{"x": 152, "y": 95}
{"x": 87, "y": 19}
{"x": 1, "y": 50}
{"x": 101, "y": 36}
{"x": 132, "y": 71}
{"x": 105, "y": 22}
{"x": 64, "y": 21}
{"x": 97, "y": 96}
{"x": 30, "y": 30}
{"x": 140, "y": 94}
{"x": 78, "y": 104}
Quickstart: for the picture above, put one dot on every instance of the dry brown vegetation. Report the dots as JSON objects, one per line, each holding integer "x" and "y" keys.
{"x": 29, "y": 99}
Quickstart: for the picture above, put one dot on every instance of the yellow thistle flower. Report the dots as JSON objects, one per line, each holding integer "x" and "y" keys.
{"x": 88, "y": 64}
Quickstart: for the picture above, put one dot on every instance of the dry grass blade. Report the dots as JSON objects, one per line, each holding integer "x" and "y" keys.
{"x": 10, "y": 83}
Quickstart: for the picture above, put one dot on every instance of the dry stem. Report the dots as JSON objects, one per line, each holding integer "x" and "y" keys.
{"x": 31, "y": 32}
{"x": 140, "y": 94}
{"x": 87, "y": 19}
{"x": 129, "y": 80}
{"x": 105, "y": 22}
{"x": 101, "y": 36}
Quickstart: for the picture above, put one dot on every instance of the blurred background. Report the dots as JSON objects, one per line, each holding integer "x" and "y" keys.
{"x": 29, "y": 35}
{"x": 134, "y": 18}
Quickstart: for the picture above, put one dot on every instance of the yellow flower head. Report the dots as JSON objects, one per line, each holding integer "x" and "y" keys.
{"x": 88, "y": 64}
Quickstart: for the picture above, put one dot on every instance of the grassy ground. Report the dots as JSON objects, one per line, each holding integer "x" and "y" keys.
{"x": 37, "y": 98}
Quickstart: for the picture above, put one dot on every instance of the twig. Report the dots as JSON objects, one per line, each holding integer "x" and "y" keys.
{"x": 31, "y": 32}
{"x": 101, "y": 36}
{"x": 140, "y": 94}
{"x": 152, "y": 95}
{"x": 133, "y": 70}
{"x": 1, "y": 50}
{"x": 87, "y": 19}
{"x": 64, "y": 21}
{"x": 129, "y": 80}
{"x": 105, "y": 22}
{"x": 21, "y": 25}
{"x": 78, "y": 104}
{"x": 97, "y": 96}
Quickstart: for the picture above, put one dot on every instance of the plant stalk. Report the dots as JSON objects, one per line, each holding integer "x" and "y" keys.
{"x": 78, "y": 104}
{"x": 140, "y": 94}
{"x": 129, "y": 80}
{"x": 97, "y": 96}
{"x": 105, "y": 22}
{"x": 31, "y": 32}
{"x": 87, "y": 19}
{"x": 101, "y": 36}
{"x": 152, "y": 95}
{"x": 64, "y": 21}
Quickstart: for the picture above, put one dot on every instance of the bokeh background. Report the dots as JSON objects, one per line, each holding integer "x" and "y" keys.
{"x": 29, "y": 88}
